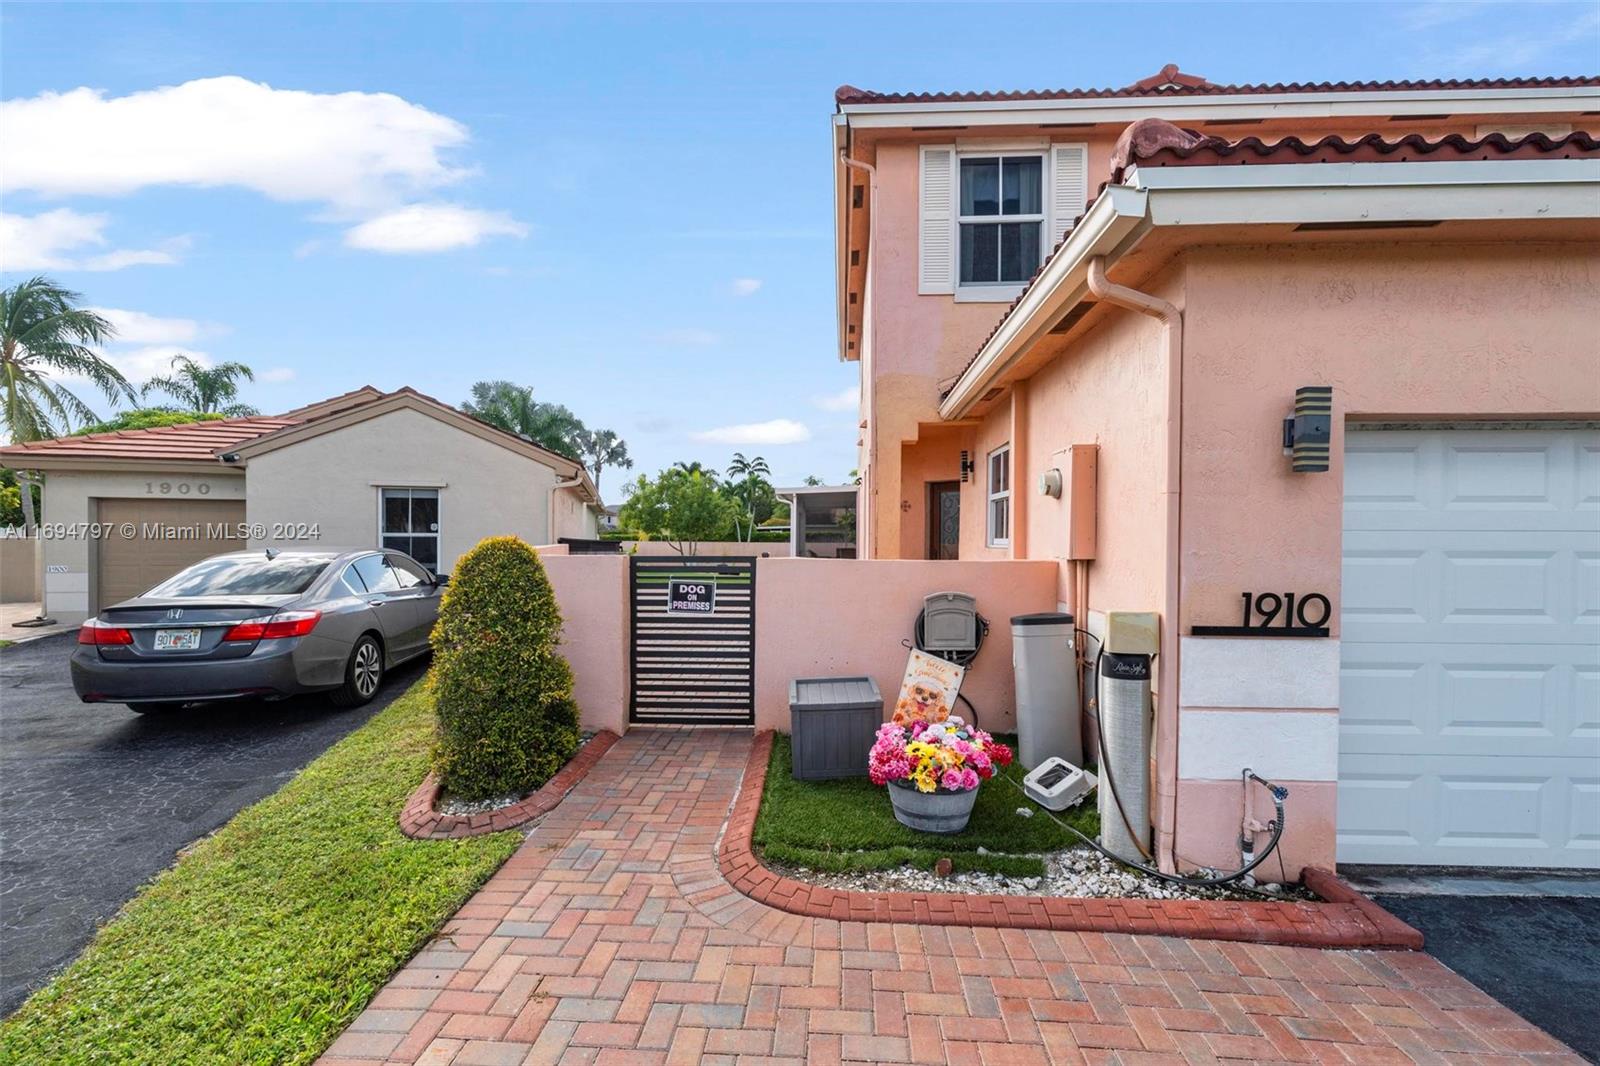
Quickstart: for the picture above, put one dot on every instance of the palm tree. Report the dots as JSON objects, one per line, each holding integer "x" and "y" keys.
{"x": 695, "y": 467}
{"x": 602, "y": 448}
{"x": 748, "y": 474}
{"x": 208, "y": 390}
{"x": 44, "y": 333}
{"x": 512, "y": 408}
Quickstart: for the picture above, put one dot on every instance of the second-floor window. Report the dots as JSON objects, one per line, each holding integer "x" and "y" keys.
{"x": 1001, "y": 213}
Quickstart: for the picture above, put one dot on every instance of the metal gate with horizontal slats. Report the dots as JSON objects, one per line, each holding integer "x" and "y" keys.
{"x": 693, "y": 669}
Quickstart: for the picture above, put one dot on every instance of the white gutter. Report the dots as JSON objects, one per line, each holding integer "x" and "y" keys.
{"x": 1106, "y": 228}
{"x": 1274, "y": 194}
{"x": 1569, "y": 100}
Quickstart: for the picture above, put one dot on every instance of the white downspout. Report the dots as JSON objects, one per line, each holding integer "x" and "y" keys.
{"x": 1172, "y": 489}
{"x": 550, "y": 509}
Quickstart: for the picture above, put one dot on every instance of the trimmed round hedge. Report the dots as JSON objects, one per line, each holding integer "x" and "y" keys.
{"x": 503, "y": 694}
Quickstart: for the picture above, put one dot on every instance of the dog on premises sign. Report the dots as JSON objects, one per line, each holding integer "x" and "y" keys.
{"x": 687, "y": 595}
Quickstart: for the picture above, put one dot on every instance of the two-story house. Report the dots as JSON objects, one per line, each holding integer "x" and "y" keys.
{"x": 1082, "y": 318}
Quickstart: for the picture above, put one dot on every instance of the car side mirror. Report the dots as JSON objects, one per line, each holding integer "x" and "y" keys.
{"x": 441, "y": 580}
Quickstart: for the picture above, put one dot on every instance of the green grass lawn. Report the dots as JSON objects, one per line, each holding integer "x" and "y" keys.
{"x": 266, "y": 939}
{"x": 849, "y": 825}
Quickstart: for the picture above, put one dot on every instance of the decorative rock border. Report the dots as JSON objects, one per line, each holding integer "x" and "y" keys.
{"x": 420, "y": 821}
{"x": 1346, "y": 919}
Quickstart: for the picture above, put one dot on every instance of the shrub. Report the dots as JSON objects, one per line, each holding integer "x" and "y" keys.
{"x": 504, "y": 696}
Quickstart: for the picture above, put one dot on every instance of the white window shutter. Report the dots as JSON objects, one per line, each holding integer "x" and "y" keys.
{"x": 936, "y": 251}
{"x": 1069, "y": 187}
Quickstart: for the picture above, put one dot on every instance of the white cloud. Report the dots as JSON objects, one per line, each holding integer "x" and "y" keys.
{"x": 276, "y": 375}
{"x": 843, "y": 400}
{"x": 353, "y": 150}
{"x": 745, "y": 286}
{"x": 688, "y": 337}
{"x": 142, "y": 364}
{"x": 136, "y": 327}
{"x": 777, "y": 431}
{"x": 64, "y": 239}
{"x": 435, "y": 227}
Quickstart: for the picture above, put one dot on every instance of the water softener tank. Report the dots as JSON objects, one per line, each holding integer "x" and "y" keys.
{"x": 1048, "y": 718}
{"x": 1125, "y": 726}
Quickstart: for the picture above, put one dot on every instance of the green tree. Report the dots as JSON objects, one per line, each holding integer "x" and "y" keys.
{"x": 11, "y": 500}
{"x": 747, "y": 477}
{"x": 146, "y": 418}
{"x": 207, "y": 389}
{"x": 695, "y": 467}
{"x": 601, "y": 448}
{"x": 44, "y": 334}
{"x": 681, "y": 507}
{"x": 502, "y": 691}
{"x": 512, "y": 408}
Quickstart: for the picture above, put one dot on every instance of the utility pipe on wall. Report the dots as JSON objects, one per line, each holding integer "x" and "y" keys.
{"x": 1172, "y": 488}
{"x": 550, "y": 506}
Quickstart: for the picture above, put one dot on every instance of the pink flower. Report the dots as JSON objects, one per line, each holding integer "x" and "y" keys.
{"x": 969, "y": 779}
{"x": 953, "y": 781}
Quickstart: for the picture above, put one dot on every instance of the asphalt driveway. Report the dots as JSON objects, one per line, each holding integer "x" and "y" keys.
{"x": 1537, "y": 954}
{"x": 95, "y": 800}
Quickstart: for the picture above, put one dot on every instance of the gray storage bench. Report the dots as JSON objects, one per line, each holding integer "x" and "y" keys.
{"x": 832, "y": 723}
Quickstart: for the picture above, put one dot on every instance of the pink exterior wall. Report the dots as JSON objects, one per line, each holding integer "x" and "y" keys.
{"x": 593, "y": 593}
{"x": 821, "y": 617}
{"x": 936, "y": 457}
{"x": 1397, "y": 330}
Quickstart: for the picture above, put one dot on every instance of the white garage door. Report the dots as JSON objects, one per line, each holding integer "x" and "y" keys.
{"x": 1469, "y": 721}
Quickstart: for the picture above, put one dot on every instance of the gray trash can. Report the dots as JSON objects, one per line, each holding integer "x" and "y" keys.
{"x": 832, "y": 724}
{"x": 1048, "y": 716}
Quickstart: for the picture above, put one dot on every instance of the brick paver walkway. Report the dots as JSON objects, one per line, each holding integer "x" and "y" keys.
{"x": 611, "y": 937}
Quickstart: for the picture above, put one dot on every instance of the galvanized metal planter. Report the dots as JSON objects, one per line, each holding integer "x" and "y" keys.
{"x": 931, "y": 812}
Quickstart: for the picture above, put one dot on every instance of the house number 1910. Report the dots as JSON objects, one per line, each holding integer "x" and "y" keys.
{"x": 1263, "y": 609}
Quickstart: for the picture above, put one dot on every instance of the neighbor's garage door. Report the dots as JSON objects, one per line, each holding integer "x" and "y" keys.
{"x": 129, "y": 566}
{"x": 1470, "y": 692}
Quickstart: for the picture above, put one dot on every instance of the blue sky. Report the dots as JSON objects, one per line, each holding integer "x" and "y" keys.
{"x": 626, "y": 207}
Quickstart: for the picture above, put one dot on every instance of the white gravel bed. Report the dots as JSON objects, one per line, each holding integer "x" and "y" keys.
{"x": 1079, "y": 873}
{"x": 451, "y": 805}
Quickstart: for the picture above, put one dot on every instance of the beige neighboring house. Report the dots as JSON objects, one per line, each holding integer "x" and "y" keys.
{"x": 125, "y": 510}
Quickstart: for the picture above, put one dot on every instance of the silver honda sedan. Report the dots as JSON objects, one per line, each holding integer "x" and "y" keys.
{"x": 264, "y": 624}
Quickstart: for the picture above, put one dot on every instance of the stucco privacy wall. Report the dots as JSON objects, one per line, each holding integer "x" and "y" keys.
{"x": 333, "y": 479}
{"x": 70, "y": 501}
{"x": 840, "y": 617}
{"x": 592, "y": 591}
{"x": 1407, "y": 331}
{"x": 19, "y": 568}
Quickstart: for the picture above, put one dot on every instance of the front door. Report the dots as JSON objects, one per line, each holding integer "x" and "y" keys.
{"x": 944, "y": 520}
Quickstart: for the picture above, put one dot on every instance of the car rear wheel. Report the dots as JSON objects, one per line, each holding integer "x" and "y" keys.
{"x": 362, "y": 674}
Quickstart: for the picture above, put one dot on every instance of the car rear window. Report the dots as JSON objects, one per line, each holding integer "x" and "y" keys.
{"x": 255, "y": 576}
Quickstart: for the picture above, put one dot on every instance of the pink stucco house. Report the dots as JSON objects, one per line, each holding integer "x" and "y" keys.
{"x": 1125, "y": 288}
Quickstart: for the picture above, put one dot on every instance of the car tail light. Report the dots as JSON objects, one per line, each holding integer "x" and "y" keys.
{"x": 97, "y": 632}
{"x": 274, "y": 627}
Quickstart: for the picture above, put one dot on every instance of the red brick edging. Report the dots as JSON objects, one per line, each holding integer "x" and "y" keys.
{"x": 1346, "y": 919}
{"x": 421, "y": 821}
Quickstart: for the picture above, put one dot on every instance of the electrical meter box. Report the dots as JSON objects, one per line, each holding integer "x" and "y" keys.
{"x": 949, "y": 622}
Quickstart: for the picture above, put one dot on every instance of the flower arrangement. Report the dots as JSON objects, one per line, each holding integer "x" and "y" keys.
{"x": 949, "y": 756}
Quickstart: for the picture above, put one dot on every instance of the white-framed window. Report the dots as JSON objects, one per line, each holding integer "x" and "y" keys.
{"x": 999, "y": 218}
{"x": 999, "y": 509}
{"x": 990, "y": 214}
{"x": 408, "y": 521}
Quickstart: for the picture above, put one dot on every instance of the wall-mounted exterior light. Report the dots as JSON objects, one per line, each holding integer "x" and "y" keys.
{"x": 1308, "y": 435}
{"x": 967, "y": 466}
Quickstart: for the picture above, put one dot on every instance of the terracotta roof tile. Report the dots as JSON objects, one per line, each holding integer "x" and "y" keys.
{"x": 1170, "y": 81}
{"x": 192, "y": 440}
{"x": 1155, "y": 142}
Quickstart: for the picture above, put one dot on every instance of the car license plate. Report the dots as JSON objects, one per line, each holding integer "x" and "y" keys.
{"x": 177, "y": 639}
